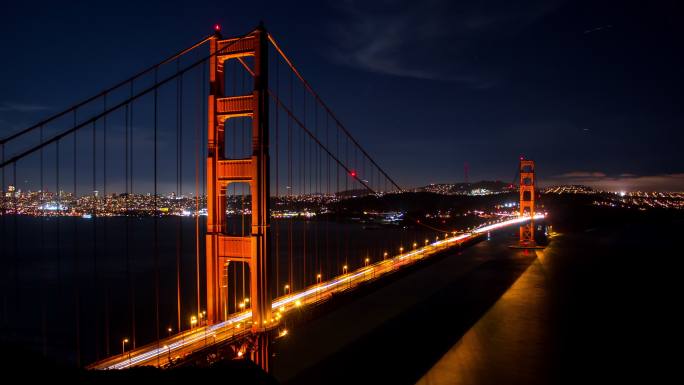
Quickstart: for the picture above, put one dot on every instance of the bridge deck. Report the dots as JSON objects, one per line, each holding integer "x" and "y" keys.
{"x": 239, "y": 324}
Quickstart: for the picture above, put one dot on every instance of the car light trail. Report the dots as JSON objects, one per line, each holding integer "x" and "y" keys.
{"x": 311, "y": 294}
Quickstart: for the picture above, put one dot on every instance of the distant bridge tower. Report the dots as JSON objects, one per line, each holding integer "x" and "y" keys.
{"x": 527, "y": 184}
{"x": 221, "y": 248}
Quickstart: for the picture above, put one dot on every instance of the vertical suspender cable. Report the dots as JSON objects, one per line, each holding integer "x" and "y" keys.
{"x": 42, "y": 242}
{"x": 105, "y": 221}
{"x": 197, "y": 214}
{"x": 59, "y": 222}
{"x": 277, "y": 180}
{"x": 197, "y": 250}
{"x": 338, "y": 245}
{"x": 346, "y": 192}
{"x": 289, "y": 183}
{"x": 132, "y": 192}
{"x": 5, "y": 295}
{"x": 94, "y": 246}
{"x": 60, "y": 298}
{"x": 15, "y": 247}
{"x": 127, "y": 255}
{"x": 303, "y": 189}
{"x": 317, "y": 267}
{"x": 234, "y": 155}
{"x": 156, "y": 219}
{"x": 203, "y": 132}
{"x": 75, "y": 248}
{"x": 179, "y": 190}
{"x": 327, "y": 199}
{"x": 242, "y": 189}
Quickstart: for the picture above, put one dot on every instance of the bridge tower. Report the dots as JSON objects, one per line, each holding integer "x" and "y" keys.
{"x": 527, "y": 184}
{"x": 221, "y": 248}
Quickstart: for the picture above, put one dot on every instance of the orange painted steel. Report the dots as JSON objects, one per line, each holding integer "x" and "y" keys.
{"x": 527, "y": 183}
{"x": 221, "y": 248}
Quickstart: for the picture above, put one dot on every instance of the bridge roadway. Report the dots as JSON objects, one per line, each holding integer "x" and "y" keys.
{"x": 239, "y": 324}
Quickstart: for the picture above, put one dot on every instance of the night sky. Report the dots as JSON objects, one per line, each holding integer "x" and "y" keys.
{"x": 591, "y": 90}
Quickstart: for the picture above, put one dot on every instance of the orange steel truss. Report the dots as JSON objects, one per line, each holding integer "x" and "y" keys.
{"x": 222, "y": 248}
{"x": 527, "y": 184}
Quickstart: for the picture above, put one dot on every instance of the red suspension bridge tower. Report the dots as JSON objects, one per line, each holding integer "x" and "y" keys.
{"x": 527, "y": 184}
{"x": 222, "y": 248}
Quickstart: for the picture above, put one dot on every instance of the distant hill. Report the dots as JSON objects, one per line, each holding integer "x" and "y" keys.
{"x": 422, "y": 202}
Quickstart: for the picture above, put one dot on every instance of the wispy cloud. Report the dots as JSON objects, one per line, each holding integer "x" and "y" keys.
{"x": 582, "y": 174}
{"x": 430, "y": 39}
{"x": 621, "y": 182}
{"x": 21, "y": 107}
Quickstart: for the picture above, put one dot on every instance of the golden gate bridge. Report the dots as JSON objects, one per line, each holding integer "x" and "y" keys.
{"x": 255, "y": 168}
